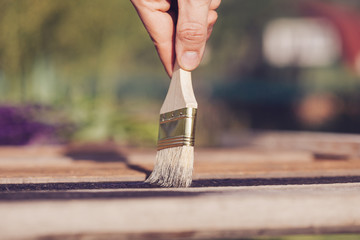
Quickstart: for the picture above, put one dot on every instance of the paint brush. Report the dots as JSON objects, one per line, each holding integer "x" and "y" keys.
{"x": 175, "y": 149}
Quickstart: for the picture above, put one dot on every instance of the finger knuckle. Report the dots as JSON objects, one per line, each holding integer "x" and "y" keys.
{"x": 213, "y": 16}
{"x": 192, "y": 33}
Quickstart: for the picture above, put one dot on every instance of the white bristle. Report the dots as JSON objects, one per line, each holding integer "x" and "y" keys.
{"x": 173, "y": 167}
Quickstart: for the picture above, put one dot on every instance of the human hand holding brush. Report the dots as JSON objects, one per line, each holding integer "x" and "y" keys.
{"x": 178, "y": 28}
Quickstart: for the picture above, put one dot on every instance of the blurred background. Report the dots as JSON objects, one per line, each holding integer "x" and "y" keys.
{"x": 86, "y": 71}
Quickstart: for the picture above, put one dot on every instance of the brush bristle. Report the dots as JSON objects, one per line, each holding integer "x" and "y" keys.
{"x": 173, "y": 167}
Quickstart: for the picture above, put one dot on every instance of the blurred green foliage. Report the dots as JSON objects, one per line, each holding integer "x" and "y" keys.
{"x": 77, "y": 56}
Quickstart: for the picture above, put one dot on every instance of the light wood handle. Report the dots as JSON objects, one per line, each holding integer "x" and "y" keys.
{"x": 180, "y": 93}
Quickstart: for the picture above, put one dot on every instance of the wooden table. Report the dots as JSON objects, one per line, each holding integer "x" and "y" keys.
{"x": 97, "y": 192}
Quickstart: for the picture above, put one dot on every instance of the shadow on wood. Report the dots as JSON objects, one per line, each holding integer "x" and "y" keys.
{"x": 102, "y": 153}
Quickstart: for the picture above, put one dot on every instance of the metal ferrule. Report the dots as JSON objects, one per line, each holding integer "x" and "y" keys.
{"x": 177, "y": 128}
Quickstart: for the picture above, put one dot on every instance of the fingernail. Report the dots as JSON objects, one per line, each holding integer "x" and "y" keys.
{"x": 189, "y": 60}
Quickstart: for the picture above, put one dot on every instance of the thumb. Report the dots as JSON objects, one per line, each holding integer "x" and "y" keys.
{"x": 191, "y": 32}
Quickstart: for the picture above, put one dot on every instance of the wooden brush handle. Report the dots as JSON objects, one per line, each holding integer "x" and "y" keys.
{"x": 180, "y": 93}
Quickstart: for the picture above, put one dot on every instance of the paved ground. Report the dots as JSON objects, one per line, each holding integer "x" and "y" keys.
{"x": 55, "y": 193}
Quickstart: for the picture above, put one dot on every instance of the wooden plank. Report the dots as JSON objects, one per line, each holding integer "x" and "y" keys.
{"x": 315, "y": 142}
{"x": 63, "y": 164}
{"x": 194, "y": 213}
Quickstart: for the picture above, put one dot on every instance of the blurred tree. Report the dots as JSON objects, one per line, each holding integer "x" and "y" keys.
{"x": 84, "y": 40}
{"x": 72, "y": 54}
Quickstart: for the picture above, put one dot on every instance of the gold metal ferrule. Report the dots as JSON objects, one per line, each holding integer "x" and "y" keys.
{"x": 177, "y": 128}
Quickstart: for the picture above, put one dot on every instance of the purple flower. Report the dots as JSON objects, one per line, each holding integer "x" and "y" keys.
{"x": 18, "y": 126}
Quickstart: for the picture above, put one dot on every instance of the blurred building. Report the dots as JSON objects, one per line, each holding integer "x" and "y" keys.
{"x": 301, "y": 42}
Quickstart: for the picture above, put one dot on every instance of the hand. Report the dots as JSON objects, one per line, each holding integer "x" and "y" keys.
{"x": 178, "y": 28}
